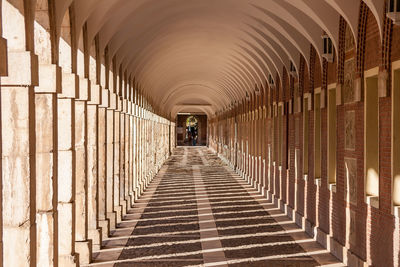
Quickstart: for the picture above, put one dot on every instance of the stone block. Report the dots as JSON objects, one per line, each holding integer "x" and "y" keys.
{"x": 49, "y": 79}
{"x": 84, "y": 93}
{"x": 65, "y": 169}
{"x": 70, "y": 85}
{"x": 15, "y": 118}
{"x": 16, "y": 190}
{"x": 22, "y": 69}
{"x": 17, "y": 237}
{"x": 44, "y": 236}
{"x": 44, "y": 181}
{"x": 65, "y": 223}
{"x": 44, "y": 112}
{"x": 65, "y": 124}
{"x": 95, "y": 94}
{"x": 3, "y": 57}
{"x": 80, "y": 124}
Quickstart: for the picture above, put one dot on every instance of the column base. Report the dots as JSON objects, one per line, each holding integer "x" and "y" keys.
{"x": 112, "y": 220}
{"x": 96, "y": 236}
{"x": 105, "y": 228}
{"x": 131, "y": 200}
{"x": 68, "y": 260}
{"x": 84, "y": 249}
{"x": 124, "y": 204}
{"x": 137, "y": 193}
{"x": 118, "y": 211}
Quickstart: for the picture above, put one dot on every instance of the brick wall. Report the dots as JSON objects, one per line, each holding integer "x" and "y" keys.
{"x": 371, "y": 237}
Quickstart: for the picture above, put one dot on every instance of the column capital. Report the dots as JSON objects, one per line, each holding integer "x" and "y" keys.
{"x": 22, "y": 69}
{"x": 95, "y": 94}
{"x": 112, "y": 98}
{"x": 130, "y": 107}
{"x": 125, "y": 106}
{"x": 119, "y": 102}
{"x": 104, "y": 98}
{"x": 50, "y": 79}
{"x": 84, "y": 89}
{"x": 70, "y": 85}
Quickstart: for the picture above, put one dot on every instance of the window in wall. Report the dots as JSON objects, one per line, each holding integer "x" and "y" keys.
{"x": 305, "y": 134}
{"x": 371, "y": 138}
{"x": 317, "y": 134}
{"x": 332, "y": 137}
{"x": 396, "y": 136}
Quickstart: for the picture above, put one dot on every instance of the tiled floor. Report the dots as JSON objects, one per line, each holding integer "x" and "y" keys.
{"x": 197, "y": 212}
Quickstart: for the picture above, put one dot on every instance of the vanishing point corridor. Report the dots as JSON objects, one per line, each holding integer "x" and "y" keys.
{"x": 200, "y": 133}
{"x": 198, "y": 212}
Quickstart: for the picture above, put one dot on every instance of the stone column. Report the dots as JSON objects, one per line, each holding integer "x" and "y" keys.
{"x": 46, "y": 163}
{"x": 131, "y": 135}
{"x": 18, "y": 162}
{"x": 140, "y": 154}
{"x": 136, "y": 185}
{"x": 94, "y": 232}
{"x": 66, "y": 170}
{"x": 102, "y": 163}
{"x": 82, "y": 244}
{"x": 117, "y": 156}
{"x": 111, "y": 215}
{"x": 122, "y": 161}
{"x": 128, "y": 157}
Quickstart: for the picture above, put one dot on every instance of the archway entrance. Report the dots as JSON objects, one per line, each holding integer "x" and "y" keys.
{"x": 191, "y": 130}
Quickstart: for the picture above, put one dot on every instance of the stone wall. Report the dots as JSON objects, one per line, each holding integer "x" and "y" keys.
{"x": 80, "y": 141}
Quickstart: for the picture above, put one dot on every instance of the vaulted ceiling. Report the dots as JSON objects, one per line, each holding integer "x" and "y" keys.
{"x": 202, "y": 55}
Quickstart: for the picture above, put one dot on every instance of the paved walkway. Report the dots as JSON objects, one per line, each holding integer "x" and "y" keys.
{"x": 198, "y": 212}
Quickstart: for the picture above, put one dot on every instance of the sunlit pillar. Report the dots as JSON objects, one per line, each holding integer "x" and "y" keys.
{"x": 102, "y": 164}
{"x": 46, "y": 163}
{"x": 82, "y": 244}
{"x": 66, "y": 170}
{"x": 94, "y": 231}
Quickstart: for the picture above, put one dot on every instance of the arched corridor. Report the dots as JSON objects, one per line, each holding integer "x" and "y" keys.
{"x": 295, "y": 102}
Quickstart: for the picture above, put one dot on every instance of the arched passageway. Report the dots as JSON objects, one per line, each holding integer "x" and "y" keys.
{"x": 301, "y": 98}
